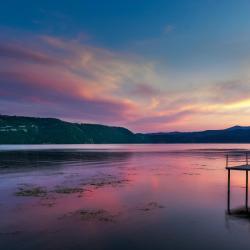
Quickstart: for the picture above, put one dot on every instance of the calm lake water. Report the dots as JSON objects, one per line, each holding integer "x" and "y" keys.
{"x": 120, "y": 197}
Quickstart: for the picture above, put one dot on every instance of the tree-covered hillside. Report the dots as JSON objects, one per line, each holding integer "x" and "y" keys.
{"x": 29, "y": 130}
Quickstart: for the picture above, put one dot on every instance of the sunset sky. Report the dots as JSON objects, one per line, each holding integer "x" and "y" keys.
{"x": 147, "y": 65}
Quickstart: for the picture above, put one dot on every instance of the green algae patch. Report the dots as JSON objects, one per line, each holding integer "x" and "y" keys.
{"x": 69, "y": 190}
{"x": 151, "y": 206}
{"x": 99, "y": 182}
{"x": 31, "y": 192}
{"x": 100, "y": 215}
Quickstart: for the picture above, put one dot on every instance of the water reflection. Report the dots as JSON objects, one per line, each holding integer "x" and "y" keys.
{"x": 155, "y": 197}
{"x": 23, "y": 160}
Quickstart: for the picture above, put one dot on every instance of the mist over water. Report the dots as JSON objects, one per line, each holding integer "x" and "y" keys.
{"x": 120, "y": 197}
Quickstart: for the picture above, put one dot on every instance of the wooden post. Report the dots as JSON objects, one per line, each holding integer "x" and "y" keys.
{"x": 247, "y": 190}
{"x": 228, "y": 191}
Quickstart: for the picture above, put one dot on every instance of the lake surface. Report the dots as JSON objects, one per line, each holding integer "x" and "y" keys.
{"x": 120, "y": 197}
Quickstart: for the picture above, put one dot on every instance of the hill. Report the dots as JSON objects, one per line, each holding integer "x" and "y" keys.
{"x": 31, "y": 130}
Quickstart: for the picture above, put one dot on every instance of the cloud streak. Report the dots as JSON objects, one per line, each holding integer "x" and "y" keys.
{"x": 75, "y": 81}
{"x": 24, "y": 54}
{"x": 70, "y": 80}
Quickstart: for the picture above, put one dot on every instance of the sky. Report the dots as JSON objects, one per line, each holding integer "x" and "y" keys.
{"x": 146, "y": 65}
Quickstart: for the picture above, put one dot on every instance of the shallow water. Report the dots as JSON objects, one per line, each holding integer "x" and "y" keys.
{"x": 120, "y": 197}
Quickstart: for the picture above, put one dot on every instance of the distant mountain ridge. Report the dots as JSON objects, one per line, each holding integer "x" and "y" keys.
{"x": 31, "y": 130}
{"x": 238, "y": 127}
{"x": 235, "y": 134}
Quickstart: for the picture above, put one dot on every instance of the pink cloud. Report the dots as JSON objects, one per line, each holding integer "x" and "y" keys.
{"x": 68, "y": 79}
{"x": 19, "y": 53}
{"x": 59, "y": 99}
{"x": 162, "y": 122}
{"x": 144, "y": 90}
